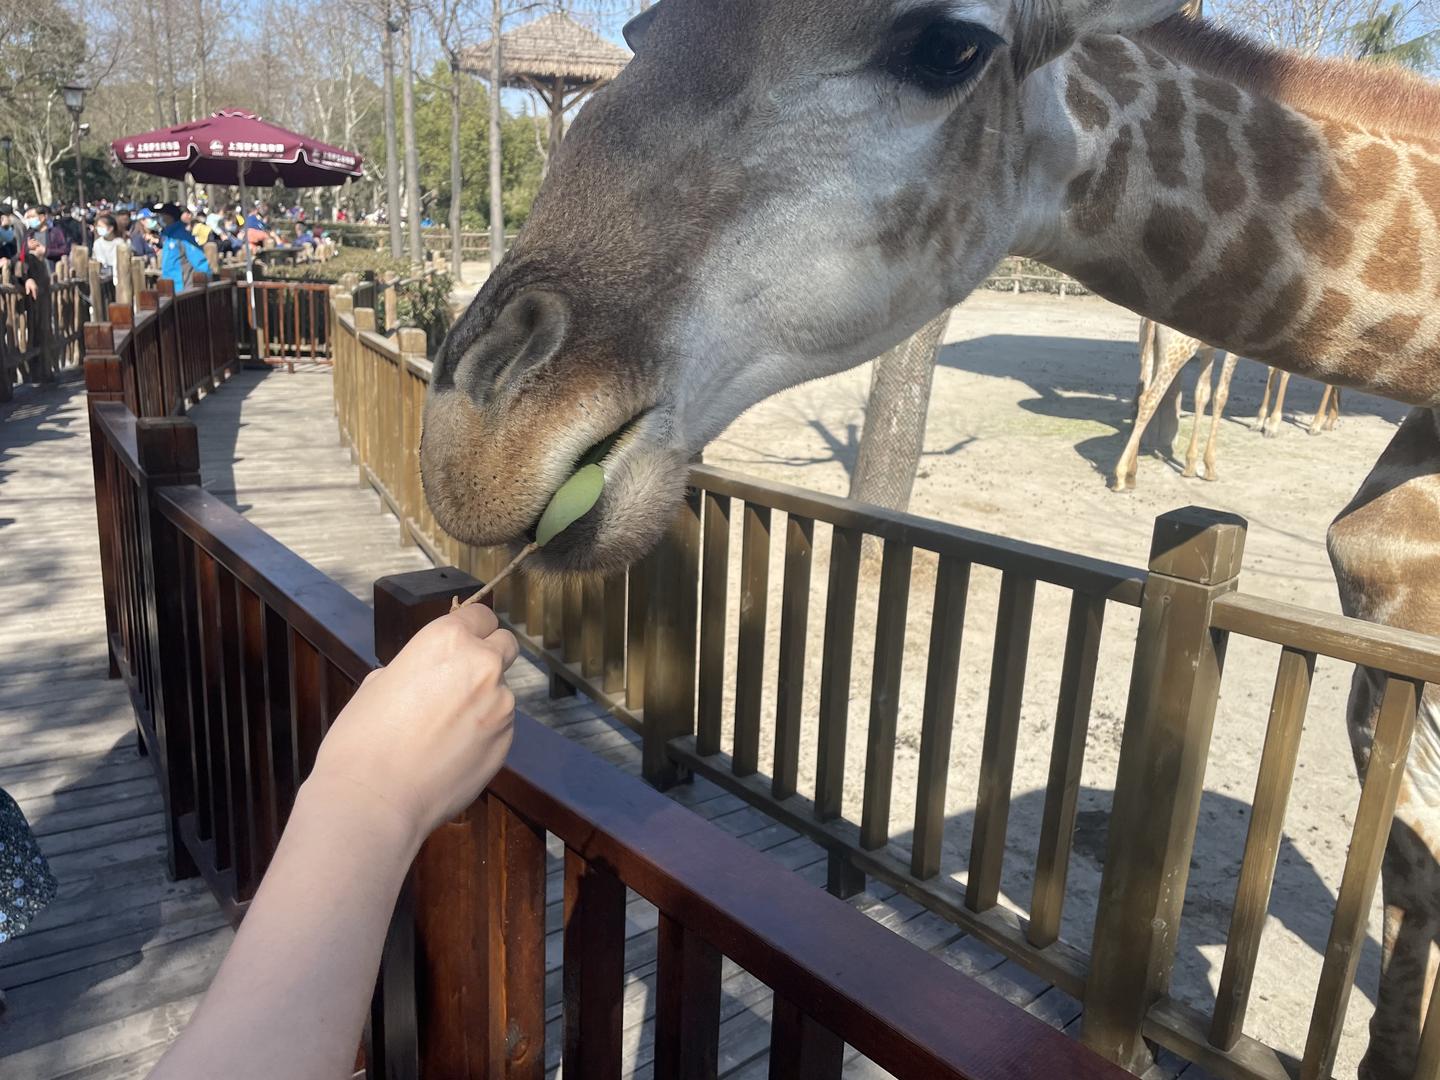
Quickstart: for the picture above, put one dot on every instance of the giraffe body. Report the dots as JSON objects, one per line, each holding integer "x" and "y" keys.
{"x": 774, "y": 192}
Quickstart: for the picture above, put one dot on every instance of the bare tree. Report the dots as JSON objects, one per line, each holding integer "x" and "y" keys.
{"x": 412, "y": 148}
{"x": 392, "y": 154}
{"x": 43, "y": 46}
{"x": 450, "y": 20}
{"x": 1309, "y": 26}
{"x": 497, "y": 76}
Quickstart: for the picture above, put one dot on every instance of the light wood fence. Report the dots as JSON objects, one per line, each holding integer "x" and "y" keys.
{"x": 652, "y": 645}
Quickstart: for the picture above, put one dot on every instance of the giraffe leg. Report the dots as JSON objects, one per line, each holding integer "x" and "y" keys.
{"x": 1264, "y": 412}
{"x": 1165, "y": 428}
{"x": 1217, "y": 413}
{"x": 1383, "y": 550}
{"x": 1322, "y": 412}
{"x": 1333, "y": 420}
{"x": 1277, "y": 414}
{"x": 1158, "y": 371}
{"x": 1202, "y": 402}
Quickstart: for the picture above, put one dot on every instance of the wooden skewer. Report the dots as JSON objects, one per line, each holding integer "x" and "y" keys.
{"x": 514, "y": 564}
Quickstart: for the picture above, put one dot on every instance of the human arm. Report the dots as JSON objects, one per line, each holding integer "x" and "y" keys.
{"x": 195, "y": 254}
{"x": 414, "y": 747}
{"x": 57, "y": 244}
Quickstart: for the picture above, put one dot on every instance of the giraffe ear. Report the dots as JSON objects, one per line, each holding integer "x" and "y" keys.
{"x": 1049, "y": 27}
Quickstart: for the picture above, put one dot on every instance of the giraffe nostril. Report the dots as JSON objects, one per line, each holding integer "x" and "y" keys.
{"x": 527, "y": 332}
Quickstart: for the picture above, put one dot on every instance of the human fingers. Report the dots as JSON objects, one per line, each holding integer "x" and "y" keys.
{"x": 504, "y": 643}
{"x": 476, "y": 618}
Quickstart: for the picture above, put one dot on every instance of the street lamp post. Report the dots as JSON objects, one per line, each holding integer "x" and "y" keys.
{"x": 75, "y": 101}
{"x": 6, "y": 143}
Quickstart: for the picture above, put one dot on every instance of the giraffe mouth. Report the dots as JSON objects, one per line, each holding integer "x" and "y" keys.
{"x": 605, "y": 452}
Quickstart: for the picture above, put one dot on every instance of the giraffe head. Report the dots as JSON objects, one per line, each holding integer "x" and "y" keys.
{"x": 770, "y": 192}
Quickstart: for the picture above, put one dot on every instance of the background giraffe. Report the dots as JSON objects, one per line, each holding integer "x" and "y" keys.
{"x": 1268, "y": 420}
{"x": 1164, "y": 353}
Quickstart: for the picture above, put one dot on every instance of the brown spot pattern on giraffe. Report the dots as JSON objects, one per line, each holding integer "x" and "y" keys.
{"x": 1165, "y": 135}
{"x": 1427, "y": 182}
{"x": 1224, "y": 186}
{"x": 1107, "y": 62}
{"x": 1212, "y": 310}
{"x": 1365, "y": 177}
{"x": 1171, "y": 239}
{"x": 1217, "y": 94}
{"x": 1087, "y": 108}
{"x": 1394, "y": 266}
{"x": 1318, "y": 335}
{"x": 1283, "y": 310}
{"x": 1323, "y": 236}
{"x": 1282, "y": 146}
{"x": 1380, "y": 349}
{"x": 1094, "y": 198}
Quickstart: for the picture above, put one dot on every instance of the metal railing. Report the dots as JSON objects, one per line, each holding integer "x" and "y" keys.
{"x": 653, "y": 646}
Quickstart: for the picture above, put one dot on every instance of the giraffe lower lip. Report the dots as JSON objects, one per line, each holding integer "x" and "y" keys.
{"x": 598, "y": 454}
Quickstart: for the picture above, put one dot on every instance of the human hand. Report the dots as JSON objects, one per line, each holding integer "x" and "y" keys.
{"x": 32, "y": 290}
{"x": 424, "y": 735}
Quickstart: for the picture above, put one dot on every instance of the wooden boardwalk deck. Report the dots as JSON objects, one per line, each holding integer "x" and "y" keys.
{"x": 112, "y": 970}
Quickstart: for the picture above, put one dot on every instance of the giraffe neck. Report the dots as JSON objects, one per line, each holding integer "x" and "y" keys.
{"x": 1236, "y": 217}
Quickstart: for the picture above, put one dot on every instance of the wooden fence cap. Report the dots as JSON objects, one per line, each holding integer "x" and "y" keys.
{"x": 1198, "y": 544}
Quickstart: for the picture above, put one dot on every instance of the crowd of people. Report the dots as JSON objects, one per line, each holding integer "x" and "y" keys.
{"x": 39, "y": 238}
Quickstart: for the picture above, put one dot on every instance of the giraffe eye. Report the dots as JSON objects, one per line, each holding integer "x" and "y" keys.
{"x": 940, "y": 54}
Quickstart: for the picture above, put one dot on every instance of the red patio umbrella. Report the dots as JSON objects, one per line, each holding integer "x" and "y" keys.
{"x": 235, "y": 146}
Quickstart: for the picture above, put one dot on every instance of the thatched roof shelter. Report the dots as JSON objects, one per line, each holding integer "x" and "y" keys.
{"x": 554, "y": 56}
{"x": 550, "y": 48}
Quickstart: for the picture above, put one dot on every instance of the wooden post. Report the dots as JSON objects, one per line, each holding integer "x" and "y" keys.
{"x": 103, "y": 382}
{"x": 124, "y": 279}
{"x": 670, "y": 644}
{"x": 412, "y": 347}
{"x": 169, "y": 453}
{"x": 41, "y": 320}
{"x": 391, "y": 306}
{"x": 468, "y": 938}
{"x": 137, "y": 277}
{"x": 364, "y": 323}
{"x": 1195, "y": 557}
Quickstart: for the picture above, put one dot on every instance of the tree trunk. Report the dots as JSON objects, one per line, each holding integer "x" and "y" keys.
{"x": 497, "y": 201}
{"x": 412, "y": 148}
{"x": 557, "y": 122}
{"x": 392, "y": 151}
{"x": 202, "y": 57}
{"x": 894, "y": 433}
{"x": 457, "y": 253}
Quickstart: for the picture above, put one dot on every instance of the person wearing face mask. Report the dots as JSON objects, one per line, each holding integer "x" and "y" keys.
{"x": 9, "y": 238}
{"x": 26, "y": 266}
{"x": 46, "y": 240}
{"x": 140, "y": 245}
{"x": 107, "y": 242}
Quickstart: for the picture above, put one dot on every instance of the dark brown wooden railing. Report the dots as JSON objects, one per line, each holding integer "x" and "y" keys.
{"x": 285, "y": 322}
{"x": 43, "y": 335}
{"x": 239, "y": 655}
{"x": 658, "y": 647}
{"x": 159, "y": 356}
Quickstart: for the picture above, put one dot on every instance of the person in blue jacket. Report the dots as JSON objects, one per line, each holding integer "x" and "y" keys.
{"x": 178, "y": 246}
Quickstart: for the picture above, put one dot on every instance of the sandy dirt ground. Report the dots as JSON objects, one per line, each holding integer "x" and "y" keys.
{"x": 1031, "y": 406}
